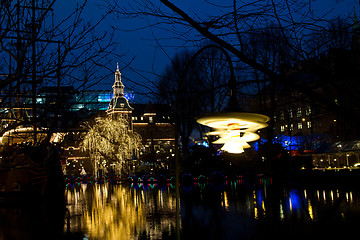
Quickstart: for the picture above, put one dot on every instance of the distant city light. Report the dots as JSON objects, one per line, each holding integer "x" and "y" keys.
{"x": 106, "y": 97}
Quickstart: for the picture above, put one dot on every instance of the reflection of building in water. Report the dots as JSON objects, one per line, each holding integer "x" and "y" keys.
{"x": 122, "y": 212}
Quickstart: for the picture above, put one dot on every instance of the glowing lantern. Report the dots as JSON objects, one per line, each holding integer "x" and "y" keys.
{"x": 235, "y": 129}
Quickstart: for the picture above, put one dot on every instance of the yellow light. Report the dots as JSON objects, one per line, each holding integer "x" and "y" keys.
{"x": 235, "y": 129}
{"x": 233, "y": 147}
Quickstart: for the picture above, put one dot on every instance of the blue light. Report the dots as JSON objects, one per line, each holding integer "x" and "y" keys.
{"x": 259, "y": 197}
{"x": 257, "y": 144}
{"x": 104, "y": 97}
{"x": 294, "y": 200}
{"x": 130, "y": 96}
{"x": 203, "y": 143}
{"x": 294, "y": 142}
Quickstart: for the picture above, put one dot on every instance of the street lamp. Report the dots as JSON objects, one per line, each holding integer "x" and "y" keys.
{"x": 235, "y": 128}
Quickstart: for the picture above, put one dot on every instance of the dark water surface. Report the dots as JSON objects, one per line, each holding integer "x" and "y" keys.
{"x": 235, "y": 210}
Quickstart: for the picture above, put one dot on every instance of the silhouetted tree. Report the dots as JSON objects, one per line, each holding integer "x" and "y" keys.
{"x": 39, "y": 49}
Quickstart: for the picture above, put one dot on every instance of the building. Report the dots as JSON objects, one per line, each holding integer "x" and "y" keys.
{"x": 305, "y": 126}
{"x": 154, "y": 124}
{"x": 152, "y": 121}
{"x": 119, "y": 105}
{"x": 65, "y": 109}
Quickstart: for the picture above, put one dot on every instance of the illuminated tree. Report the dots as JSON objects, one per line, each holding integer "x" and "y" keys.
{"x": 110, "y": 143}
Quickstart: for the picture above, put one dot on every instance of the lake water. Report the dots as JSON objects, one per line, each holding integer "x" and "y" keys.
{"x": 234, "y": 210}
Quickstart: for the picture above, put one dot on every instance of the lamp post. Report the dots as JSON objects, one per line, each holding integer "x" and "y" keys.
{"x": 235, "y": 128}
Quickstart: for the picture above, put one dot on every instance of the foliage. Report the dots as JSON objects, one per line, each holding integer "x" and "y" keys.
{"x": 110, "y": 141}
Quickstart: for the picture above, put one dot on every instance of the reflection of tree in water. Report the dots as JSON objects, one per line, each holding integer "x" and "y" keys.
{"x": 114, "y": 213}
{"x": 256, "y": 210}
{"x": 121, "y": 212}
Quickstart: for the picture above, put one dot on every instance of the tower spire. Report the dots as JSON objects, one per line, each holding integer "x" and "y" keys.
{"x": 119, "y": 104}
{"x": 118, "y": 87}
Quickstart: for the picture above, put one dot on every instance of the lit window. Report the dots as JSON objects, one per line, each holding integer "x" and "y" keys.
{"x": 290, "y": 113}
{"x": 151, "y": 120}
{"x": 291, "y": 127}
{"x": 300, "y": 125}
{"x": 282, "y": 128}
{"x": 298, "y": 113}
{"x": 142, "y": 118}
{"x": 308, "y": 110}
{"x": 308, "y": 123}
{"x": 282, "y": 116}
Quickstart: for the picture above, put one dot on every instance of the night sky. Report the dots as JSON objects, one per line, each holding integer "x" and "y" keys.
{"x": 149, "y": 58}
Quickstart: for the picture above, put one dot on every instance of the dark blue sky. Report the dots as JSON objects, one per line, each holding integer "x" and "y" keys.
{"x": 149, "y": 58}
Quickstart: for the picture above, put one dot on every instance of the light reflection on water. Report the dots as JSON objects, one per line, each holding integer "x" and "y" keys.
{"x": 237, "y": 210}
{"x": 106, "y": 211}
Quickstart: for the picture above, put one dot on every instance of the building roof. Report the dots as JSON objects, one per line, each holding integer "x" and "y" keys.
{"x": 158, "y": 108}
{"x": 120, "y": 103}
{"x": 160, "y": 113}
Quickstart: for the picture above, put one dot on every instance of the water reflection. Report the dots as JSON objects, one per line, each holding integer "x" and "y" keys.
{"x": 262, "y": 211}
{"x": 109, "y": 211}
{"x": 234, "y": 210}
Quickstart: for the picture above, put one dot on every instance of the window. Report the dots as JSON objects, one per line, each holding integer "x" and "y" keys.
{"x": 308, "y": 123}
{"x": 291, "y": 113}
{"x": 308, "y": 110}
{"x": 300, "y": 125}
{"x": 282, "y": 128}
{"x": 298, "y": 113}
{"x": 151, "y": 120}
{"x": 282, "y": 115}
